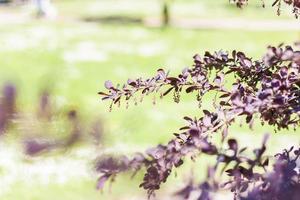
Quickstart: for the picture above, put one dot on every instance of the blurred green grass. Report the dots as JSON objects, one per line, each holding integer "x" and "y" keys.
{"x": 74, "y": 58}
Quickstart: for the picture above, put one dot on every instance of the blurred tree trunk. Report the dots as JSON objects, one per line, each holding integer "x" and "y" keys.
{"x": 166, "y": 13}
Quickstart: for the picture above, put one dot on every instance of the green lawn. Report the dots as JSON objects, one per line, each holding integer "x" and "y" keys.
{"x": 74, "y": 58}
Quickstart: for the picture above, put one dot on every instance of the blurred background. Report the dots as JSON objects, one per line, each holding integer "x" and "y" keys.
{"x": 56, "y": 55}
